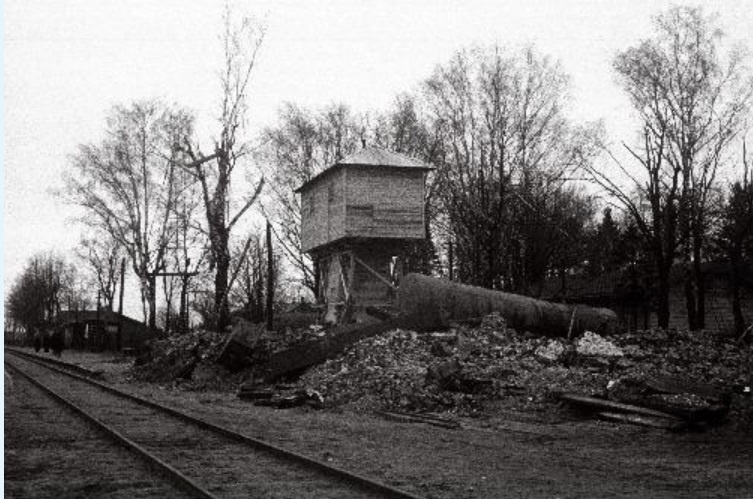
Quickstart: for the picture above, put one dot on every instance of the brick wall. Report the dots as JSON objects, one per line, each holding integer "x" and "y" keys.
{"x": 719, "y": 318}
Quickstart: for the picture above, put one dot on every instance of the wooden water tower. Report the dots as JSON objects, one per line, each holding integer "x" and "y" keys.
{"x": 358, "y": 218}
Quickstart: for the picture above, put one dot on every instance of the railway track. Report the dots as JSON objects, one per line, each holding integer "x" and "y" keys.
{"x": 204, "y": 459}
{"x": 52, "y": 453}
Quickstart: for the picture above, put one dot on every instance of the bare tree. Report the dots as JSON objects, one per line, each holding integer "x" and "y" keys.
{"x": 653, "y": 204}
{"x": 735, "y": 236}
{"x": 102, "y": 254}
{"x": 250, "y": 290}
{"x": 690, "y": 100}
{"x": 214, "y": 172}
{"x": 36, "y": 295}
{"x": 506, "y": 150}
{"x": 126, "y": 185}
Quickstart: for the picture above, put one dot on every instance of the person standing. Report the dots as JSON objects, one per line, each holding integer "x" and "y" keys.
{"x": 37, "y": 341}
{"x": 46, "y": 337}
{"x": 57, "y": 343}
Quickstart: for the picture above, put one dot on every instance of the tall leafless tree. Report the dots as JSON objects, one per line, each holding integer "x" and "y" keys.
{"x": 506, "y": 149}
{"x": 37, "y": 294}
{"x": 735, "y": 236}
{"x": 214, "y": 172}
{"x": 249, "y": 292}
{"x": 126, "y": 185}
{"x": 690, "y": 100}
{"x": 102, "y": 254}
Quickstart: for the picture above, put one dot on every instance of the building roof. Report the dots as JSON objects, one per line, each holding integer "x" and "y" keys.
{"x": 372, "y": 156}
{"x": 80, "y": 316}
{"x": 376, "y": 156}
{"x": 583, "y": 287}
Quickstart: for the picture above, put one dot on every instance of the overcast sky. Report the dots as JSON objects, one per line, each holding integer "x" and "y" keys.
{"x": 66, "y": 62}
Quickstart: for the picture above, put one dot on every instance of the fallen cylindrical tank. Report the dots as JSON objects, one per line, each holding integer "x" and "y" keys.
{"x": 436, "y": 302}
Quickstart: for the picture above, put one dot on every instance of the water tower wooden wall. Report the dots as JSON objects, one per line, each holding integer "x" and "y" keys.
{"x": 358, "y": 217}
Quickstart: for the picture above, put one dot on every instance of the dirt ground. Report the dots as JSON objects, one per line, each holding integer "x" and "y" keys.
{"x": 510, "y": 454}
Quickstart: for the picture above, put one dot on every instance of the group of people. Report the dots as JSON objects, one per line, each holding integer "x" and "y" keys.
{"x": 50, "y": 340}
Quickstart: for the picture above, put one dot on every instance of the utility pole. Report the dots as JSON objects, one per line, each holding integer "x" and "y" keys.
{"x": 450, "y": 260}
{"x": 183, "y": 318}
{"x": 119, "y": 345}
{"x": 270, "y": 279}
{"x": 98, "y": 327}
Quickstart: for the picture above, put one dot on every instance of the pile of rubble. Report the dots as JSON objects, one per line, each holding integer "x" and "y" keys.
{"x": 203, "y": 359}
{"x": 177, "y": 357}
{"x": 466, "y": 368}
{"x": 469, "y": 369}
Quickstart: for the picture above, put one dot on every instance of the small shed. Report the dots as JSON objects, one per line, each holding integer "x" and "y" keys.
{"x": 92, "y": 330}
{"x": 358, "y": 216}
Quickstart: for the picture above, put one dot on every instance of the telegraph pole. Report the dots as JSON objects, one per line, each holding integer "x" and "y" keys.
{"x": 119, "y": 344}
{"x": 270, "y": 279}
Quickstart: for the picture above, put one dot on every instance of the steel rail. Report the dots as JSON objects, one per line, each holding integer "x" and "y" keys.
{"x": 171, "y": 473}
{"x": 362, "y": 481}
{"x": 74, "y": 367}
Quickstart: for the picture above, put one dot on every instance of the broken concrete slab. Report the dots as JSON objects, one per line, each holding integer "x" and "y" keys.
{"x": 240, "y": 346}
{"x": 593, "y": 345}
{"x": 310, "y": 398}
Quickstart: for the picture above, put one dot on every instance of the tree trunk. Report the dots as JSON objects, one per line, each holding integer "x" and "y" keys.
{"x": 151, "y": 292}
{"x": 317, "y": 279}
{"x": 450, "y": 261}
{"x": 120, "y": 305}
{"x": 690, "y": 300}
{"x": 221, "y": 307}
{"x": 737, "y": 311}
{"x": 662, "y": 311}
{"x": 183, "y": 316}
{"x": 269, "y": 313}
{"x": 221, "y": 276}
{"x": 700, "y": 285}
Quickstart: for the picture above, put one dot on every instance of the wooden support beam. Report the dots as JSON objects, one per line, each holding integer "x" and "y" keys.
{"x": 375, "y": 273}
{"x": 351, "y": 272}
{"x": 346, "y": 291}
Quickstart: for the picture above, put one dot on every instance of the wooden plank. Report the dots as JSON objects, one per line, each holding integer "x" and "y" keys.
{"x": 375, "y": 273}
{"x": 678, "y": 384}
{"x": 346, "y": 291}
{"x": 652, "y": 422}
{"x": 315, "y": 352}
{"x": 610, "y": 406}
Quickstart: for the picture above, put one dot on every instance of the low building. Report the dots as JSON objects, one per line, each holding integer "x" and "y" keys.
{"x": 98, "y": 330}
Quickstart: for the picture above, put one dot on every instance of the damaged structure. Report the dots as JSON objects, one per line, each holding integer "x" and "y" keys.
{"x": 358, "y": 218}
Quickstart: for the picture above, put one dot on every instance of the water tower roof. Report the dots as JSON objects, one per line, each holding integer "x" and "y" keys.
{"x": 376, "y": 156}
{"x": 372, "y": 156}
